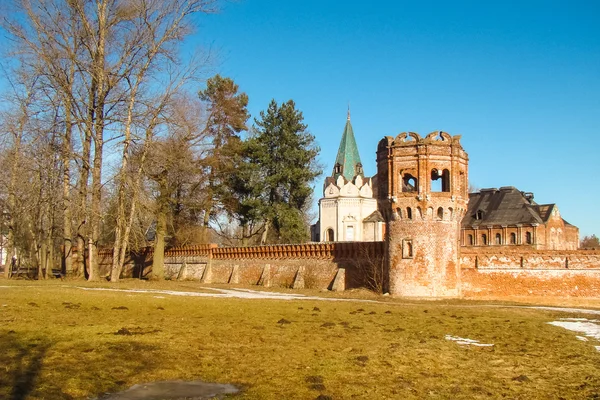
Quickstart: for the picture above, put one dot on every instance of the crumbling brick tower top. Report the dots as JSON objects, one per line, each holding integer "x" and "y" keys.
{"x": 423, "y": 194}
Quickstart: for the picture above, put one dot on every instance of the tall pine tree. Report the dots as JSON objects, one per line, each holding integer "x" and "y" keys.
{"x": 227, "y": 116}
{"x": 274, "y": 180}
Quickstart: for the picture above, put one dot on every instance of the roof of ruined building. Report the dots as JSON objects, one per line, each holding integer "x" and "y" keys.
{"x": 347, "y": 156}
{"x": 375, "y": 216}
{"x": 505, "y": 206}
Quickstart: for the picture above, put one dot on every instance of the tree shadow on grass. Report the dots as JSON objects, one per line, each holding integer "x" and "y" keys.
{"x": 22, "y": 361}
{"x": 35, "y": 366}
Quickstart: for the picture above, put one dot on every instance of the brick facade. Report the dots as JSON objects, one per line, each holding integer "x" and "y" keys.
{"x": 423, "y": 195}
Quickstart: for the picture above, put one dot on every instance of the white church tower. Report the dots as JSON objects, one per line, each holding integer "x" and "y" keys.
{"x": 348, "y": 209}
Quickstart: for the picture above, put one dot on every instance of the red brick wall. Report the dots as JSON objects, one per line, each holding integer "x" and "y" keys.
{"x": 433, "y": 270}
{"x": 561, "y": 273}
{"x": 318, "y": 262}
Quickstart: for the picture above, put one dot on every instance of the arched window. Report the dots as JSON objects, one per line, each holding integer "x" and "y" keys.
{"x": 513, "y": 238}
{"x": 408, "y": 213}
{"x": 498, "y": 238}
{"x": 484, "y": 239}
{"x": 470, "y": 240}
{"x": 329, "y": 235}
{"x": 440, "y": 180}
{"x": 409, "y": 183}
{"x": 528, "y": 237}
{"x": 440, "y": 213}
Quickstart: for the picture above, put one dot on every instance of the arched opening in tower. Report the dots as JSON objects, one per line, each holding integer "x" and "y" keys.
{"x": 409, "y": 183}
{"x": 440, "y": 180}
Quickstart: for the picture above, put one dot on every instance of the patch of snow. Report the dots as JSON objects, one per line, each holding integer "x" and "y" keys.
{"x": 582, "y": 338}
{"x": 228, "y": 293}
{"x": 467, "y": 342}
{"x": 159, "y": 297}
{"x": 588, "y": 328}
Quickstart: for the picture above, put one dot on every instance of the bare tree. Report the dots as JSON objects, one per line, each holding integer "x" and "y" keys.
{"x": 104, "y": 60}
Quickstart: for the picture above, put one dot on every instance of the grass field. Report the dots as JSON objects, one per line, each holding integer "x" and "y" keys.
{"x": 58, "y": 341}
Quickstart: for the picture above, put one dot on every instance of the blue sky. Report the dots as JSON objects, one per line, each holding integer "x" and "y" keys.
{"x": 520, "y": 81}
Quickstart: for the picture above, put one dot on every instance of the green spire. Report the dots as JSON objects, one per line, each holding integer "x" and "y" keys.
{"x": 347, "y": 162}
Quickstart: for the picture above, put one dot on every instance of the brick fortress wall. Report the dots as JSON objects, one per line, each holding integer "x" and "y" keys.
{"x": 337, "y": 266}
{"x": 500, "y": 273}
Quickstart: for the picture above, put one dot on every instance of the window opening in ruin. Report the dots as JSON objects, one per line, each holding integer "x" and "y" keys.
{"x": 329, "y": 235}
{"x": 407, "y": 248}
{"x": 513, "y": 238}
{"x": 484, "y": 239}
{"x": 470, "y": 240}
{"x": 446, "y": 181}
{"x": 440, "y": 213}
{"x": 528, "y": 237}
{"x": 409, "y": 183}
{"x": 440, "y": 180}
{"x": 408, "y": 213}
{"x": 498, "y": 238}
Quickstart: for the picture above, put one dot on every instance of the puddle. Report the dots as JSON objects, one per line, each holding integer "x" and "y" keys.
{"x": 174, "y": 390}
{"x": 467, "y": 342}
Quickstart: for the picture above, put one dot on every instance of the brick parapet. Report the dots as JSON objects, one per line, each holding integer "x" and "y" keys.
{"x": 319, "y": 251}
{"x": 529, "y": 259}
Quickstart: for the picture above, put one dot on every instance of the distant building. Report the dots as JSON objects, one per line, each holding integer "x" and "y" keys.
{"x": 509, "y": 217}
{"x": 348, "y": 209}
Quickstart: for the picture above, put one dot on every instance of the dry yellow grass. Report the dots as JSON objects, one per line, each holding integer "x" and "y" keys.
{"x": 58, "y": 341}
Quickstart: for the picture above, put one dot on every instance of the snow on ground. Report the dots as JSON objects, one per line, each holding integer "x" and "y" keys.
{"x": 589, "y": 327}
{"x": 228, "y": 293}
{"x": 467, "y": 342}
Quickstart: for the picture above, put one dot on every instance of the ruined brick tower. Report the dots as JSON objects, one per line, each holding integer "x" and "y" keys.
{"x": 422, "y": 187}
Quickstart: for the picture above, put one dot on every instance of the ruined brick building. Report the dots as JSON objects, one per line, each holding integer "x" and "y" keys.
{"x": 509, "y": 217}
{"x": 411, "y": 230}
{"x": 427, "y": 215}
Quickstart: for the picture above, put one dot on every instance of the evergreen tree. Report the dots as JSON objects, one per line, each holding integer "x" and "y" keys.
{"x": 273, "y": 181}
{"x": 227, "y": 116}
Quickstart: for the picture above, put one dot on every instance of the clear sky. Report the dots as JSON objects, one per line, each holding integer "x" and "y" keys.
{"x": 519, "y": 80}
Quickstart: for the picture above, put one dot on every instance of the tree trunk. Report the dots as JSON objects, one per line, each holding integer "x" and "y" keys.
{"x": 12, "y": 202}
{"x": 99, "y": 75}
{"x": 265, "y": 233}
{"x": 158, "y": 260}
{"x": 67, "y": 259}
